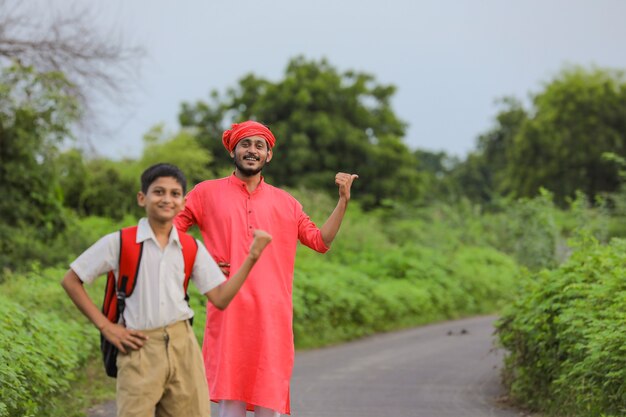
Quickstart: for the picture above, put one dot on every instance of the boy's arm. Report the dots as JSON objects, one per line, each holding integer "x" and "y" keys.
{"x": 331, "y": 226}
{"x": 222, "y": 295}
{"x": 118, "y": 335}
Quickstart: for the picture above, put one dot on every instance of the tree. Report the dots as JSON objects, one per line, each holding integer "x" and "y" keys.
{"x": 208, "y": 121}
{"x": 483, "y": 175}
{"x": 49, "y": 68}
{"x": 435, "y": 169}
{"x": 181, "y": 149}
{"x": 579, "y": 116}
{"x": 34, "y": 117}
{"x": 325, "y": 121}
{"x": 35, "y": 114}
{"x": 73, "y": 173}
{"x": 66, "y": 41}
{"x": 102, "y": 187}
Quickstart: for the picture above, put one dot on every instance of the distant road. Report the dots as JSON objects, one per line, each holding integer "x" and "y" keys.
{"x": 448, "y": 369}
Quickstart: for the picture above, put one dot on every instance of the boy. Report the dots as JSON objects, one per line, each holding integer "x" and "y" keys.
{"x": 160, "y": 367}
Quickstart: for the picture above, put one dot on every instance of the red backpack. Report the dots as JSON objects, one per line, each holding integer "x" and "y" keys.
{"x": 115, "y": 298}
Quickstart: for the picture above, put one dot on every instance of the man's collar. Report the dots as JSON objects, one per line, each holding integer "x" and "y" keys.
{"x": 241, "y": 183}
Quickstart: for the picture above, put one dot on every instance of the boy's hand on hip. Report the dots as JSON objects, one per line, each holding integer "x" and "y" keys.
{"x": 224, "y": 267}
{"x": 123, "y": 338}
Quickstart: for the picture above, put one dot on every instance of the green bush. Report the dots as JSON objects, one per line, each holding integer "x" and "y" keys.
{"x": 526, "y": 229}
{"x": 566, "y": 335}
{"x": 23, "y": 246}
{"x": 404, "y": 287}
{"x": 39, "y": 353}
{"x": 44, "y": 344}
{"x": 382, "y": 273}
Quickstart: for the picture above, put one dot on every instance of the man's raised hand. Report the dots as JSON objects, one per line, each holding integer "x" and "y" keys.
{"x": 344, "y": 182}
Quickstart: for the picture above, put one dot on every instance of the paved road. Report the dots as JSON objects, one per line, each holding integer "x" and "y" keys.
{"x": 442, "y": 370}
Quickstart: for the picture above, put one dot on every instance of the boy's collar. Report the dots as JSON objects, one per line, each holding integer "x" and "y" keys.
{"x": 145, "y": 232}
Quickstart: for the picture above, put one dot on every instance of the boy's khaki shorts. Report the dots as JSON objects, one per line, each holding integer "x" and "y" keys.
{"x": 165, "y": 378}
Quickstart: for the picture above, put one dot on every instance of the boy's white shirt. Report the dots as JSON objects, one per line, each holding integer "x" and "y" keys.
{"x": 158, "y": 298}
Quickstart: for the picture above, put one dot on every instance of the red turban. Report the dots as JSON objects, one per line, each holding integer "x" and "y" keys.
{"x": 243, "y": 130}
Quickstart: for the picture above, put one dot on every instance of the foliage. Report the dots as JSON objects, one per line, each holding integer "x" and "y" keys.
{"x": 577, "y": 118}
{"x": 483, "y": 176}
{"x": 40, "y": 348}
{"x": 50, "y": 67}
{"x": 615, "y": 209}
{"x": 52, "y": 349}
{"x": 34, "y": 118}
{"x": 384, "y": 272}
{"x": 565, "y": 335}
{"x": 29, "y": 251}
{"x": 435, "y": 169}
{"x": 615, "y": 203}
{"x": 325, "y": 122}
{"x": 68, "y": 40}
{"x": 108, "y": 189}
{"x": 103, "y": 187}
{"x": 87, "y": 188}
{"x": 181, "y": 149}
{"x": 403, "y": 257}
{"x": 407, "y": 286}
{"x": 557, "y": 144}
{"x": 375, "y": 278}
{"x": 528, "y": 231}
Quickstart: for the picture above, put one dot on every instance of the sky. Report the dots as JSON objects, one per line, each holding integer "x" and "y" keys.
{"x": 450, "y": 60}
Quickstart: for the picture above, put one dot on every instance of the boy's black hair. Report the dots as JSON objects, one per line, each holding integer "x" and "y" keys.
{"x": 162, "y": 170}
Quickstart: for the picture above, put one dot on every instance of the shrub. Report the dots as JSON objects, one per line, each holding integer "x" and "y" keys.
{"x": 38, "y": 355}
{"x": 566, "y": 335}
{"x": 405, "y": 286}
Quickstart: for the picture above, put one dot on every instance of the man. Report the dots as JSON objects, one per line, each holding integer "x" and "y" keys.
{"x": 248, "y": 349}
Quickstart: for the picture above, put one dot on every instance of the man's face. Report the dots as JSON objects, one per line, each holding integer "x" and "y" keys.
{"x": 163, "y": 200}
{"x": 250, "y": 155}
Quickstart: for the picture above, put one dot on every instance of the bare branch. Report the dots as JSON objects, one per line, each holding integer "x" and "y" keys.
{"x": 96, "y": 63}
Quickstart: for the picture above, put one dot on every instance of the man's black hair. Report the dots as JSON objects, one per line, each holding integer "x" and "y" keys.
{"x": 162, "y": 170}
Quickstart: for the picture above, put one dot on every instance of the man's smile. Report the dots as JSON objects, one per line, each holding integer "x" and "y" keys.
{"x": 251, "y": 158}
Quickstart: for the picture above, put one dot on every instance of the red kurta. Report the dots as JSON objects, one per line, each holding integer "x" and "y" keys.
{"x": 248, "y": 348}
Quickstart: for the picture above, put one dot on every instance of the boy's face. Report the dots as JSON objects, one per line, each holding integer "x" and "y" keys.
{"x": 163, "y": 200}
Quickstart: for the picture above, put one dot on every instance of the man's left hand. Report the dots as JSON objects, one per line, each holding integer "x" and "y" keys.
{"x": 344, "y": 182}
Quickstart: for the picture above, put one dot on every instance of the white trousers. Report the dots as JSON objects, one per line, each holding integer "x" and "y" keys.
{"x": 230, "y": 408}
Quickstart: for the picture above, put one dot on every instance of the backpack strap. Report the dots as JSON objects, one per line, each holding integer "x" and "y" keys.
{"x": 190, "y": 249}
{"x": 109, "y": 305}
{"x": 129, "y": 261}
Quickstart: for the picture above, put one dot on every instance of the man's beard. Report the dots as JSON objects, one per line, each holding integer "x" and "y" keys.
{"x": 247, "y": 172}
